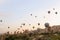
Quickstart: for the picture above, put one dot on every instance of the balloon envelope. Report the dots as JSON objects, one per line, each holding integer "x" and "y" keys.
{"x": 29, "y": 24}
{"x": 20, "y": 26}
{"x": 53, "y": 8}
{"x": 46, "y": 24}
{"x": 31, "y": 14}
{"x": 38, "y": 23}
{"x": 0, "y": 20}
{"x": 8, "y": 27}
{"x": 55, "y": 12}
{"x": 44, "y": 16}
{"x": 48, "y": 12}
{"x": 23, "y": 24}
{"x": 33, "y": 27}
{"x": 35, "y": 16}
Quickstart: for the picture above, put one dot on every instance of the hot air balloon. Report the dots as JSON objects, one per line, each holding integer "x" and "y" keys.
{"x": 23, "y": 24}
{"x": 8, "y": 27}
{"x": 18, "y": 28}
{"x": 56, "y": 13}
{"x": 48, "y": 27}
{"x": 33, "y": 27}
{"x": 8, "y": 32}
{"x": 0, "y": 20}
{"x": 38, "y": 24}
{"x": 31, "y": 14}
{"x": 48, "y": 12}
{"x": 46, "y": 24}
{"x": 35, "y": 16}
{"x": 29, "y": 24}
{"x": 53, "y": 8}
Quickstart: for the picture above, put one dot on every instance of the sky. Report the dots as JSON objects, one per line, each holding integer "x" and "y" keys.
{"x": 15, "y": 12}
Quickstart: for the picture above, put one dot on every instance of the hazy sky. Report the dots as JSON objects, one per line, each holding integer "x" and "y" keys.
{"x": 15, "y": 12}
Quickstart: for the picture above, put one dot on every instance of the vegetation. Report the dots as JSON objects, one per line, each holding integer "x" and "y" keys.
{"x": 32, "y": 35}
